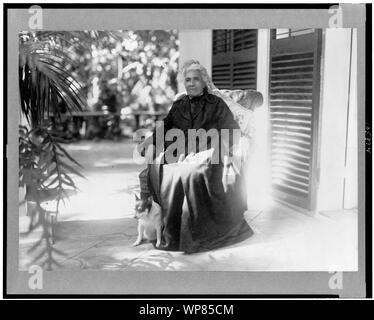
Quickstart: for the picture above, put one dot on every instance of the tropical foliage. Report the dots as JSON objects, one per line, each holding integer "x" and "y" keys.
{"x": 46, "y": 173}
{"x": 45, "y": 169}
{"x": 139, "y": 71}
{"x": 63, "y": 72}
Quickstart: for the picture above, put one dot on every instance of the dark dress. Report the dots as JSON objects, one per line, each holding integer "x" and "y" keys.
{"x": 198, "y": 214}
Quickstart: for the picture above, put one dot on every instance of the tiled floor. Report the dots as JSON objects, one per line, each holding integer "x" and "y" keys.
{"x": 96, "y": 229}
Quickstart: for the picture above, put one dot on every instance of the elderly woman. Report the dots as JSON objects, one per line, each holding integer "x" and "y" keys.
{"x": 202, "y": 207}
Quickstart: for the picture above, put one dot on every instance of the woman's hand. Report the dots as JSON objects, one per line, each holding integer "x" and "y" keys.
{"x": 228, "y": 175}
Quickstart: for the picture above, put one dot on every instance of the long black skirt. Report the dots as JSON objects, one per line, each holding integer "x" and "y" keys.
{"x": 198, "y": 214}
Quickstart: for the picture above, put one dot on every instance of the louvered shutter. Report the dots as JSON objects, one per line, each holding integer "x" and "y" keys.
{"x": 294, "y": 109}
{"x": 234, "y": 59}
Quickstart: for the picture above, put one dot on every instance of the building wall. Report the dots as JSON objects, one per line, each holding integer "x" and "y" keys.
{"x": 338, "y": 109}
{"x": 195, "y": 44}
{"x": 259, "y": 169}
{"x": 351, "y": 173}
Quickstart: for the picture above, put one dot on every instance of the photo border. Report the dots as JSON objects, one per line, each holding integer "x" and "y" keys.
{"x": 267, "y": 284}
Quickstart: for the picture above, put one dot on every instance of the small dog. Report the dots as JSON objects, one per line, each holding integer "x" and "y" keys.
{"x": 149, "y": 218}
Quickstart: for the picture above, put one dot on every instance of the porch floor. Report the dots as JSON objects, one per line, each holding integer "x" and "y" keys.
{"x": 283, "y": 241}
{"x": 96, "y": 229}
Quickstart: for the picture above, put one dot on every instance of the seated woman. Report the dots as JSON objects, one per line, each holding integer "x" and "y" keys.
{"x": 202, "y": 205}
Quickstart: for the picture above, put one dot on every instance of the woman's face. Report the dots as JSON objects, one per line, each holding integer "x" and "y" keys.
{"x": 193, "y": 83}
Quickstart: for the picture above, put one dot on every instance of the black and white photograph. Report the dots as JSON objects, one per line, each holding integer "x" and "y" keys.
{"x": 204, "y": 156}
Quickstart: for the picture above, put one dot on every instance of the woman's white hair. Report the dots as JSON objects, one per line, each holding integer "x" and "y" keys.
{"x": 193, "y": 64}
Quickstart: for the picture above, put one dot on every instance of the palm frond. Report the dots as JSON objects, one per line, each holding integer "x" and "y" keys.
{"x": 47, "y": 62}
{"x": 43, "y": 84}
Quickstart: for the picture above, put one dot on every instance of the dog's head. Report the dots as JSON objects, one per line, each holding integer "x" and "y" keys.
{"x": 142, "y": 206}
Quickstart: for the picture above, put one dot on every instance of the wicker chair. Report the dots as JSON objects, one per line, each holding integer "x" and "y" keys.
{"x": 242, "y": 104}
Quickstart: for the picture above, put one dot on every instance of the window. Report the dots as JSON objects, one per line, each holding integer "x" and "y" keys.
{"x": 287, "y": 33}
{"x": 234, "y": 58}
